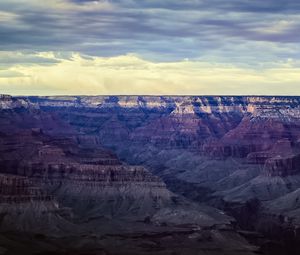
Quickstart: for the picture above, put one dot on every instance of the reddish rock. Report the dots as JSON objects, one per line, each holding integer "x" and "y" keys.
{"x": 281, "y": 148}
{"x": 18, "y": 189}
{"x": 283, "y": 165}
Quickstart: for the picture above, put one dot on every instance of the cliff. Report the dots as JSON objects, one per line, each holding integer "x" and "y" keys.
{"x": 17, "y": 189}
{"x": 215, "y": 126}
{"x": 84, "y": 179}
{"x": 210, "y": 149}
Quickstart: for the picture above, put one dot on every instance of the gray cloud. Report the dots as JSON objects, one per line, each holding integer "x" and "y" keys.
{"x": 10, "y": 74}
{"x": 160, "y": 30}
{"x": 9, "y": 59}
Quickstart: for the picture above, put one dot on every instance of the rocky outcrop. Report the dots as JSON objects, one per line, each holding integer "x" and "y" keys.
{"x": 26, "y": 207}
{"x": 18, "y": 189}
{"x": 8, "y": 102}
{"x": 283, "y": 165}
{"x": 282, "y": 147}
{"x": 281, "y": 160}
{"x": 85, "y": 179}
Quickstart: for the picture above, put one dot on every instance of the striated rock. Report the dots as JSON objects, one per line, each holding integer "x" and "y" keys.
{"x": 18, "y": 189}
{"x": 281, "y": 160}
{"x": 239, "y": 125}
{"x": 221, "y": 150}
{"x": 25, "y": 207}
{"x": 283, "y": 165}
{"x": 88, "y": 180}
{"x": 214, "y": 126}
{"x": 8, "y": 102}
{"x": 6, "y": 98}
{"x": 281, "y": 148}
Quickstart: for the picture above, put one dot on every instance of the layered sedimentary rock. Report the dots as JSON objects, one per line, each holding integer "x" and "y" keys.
{"x": 213, "y": 126}
{"x": 158, "y": 120}
{"x": 17, "y": 189}
{"x": 282, "y": 147}
{"x": 59, "y": 183}
{"x": 283, "y": 165}
{"x": 75, "y": 169}
{"x": 241, "y": 148}
{"x": 218, "y": 127}
{"x": 9, "y": 102}
{"x": 240, "y": 153}
{"x": 25, "y": 207}
{"x": 84, "y": 179}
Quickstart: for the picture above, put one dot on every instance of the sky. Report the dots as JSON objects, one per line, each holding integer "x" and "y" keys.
{"x": 158, "y": 47}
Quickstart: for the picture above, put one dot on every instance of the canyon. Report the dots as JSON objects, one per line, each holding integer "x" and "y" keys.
{"x": 149, "y": 174}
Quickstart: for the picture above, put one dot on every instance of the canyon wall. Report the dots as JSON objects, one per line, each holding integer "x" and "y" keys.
{"x": 154, "y": 159}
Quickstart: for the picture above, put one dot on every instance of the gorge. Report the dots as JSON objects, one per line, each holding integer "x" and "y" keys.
{"x": 149, "y": 174}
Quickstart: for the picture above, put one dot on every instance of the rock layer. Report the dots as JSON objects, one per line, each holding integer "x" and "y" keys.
{"x": 238, "y": 153}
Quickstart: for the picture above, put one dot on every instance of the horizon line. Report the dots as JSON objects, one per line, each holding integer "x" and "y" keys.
{"x": 156, "y": 95}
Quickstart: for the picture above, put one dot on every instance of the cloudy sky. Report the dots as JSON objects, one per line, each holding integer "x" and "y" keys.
{"x": 199, "y": 47}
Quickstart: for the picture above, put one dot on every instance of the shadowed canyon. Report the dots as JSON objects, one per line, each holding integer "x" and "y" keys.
{"x": 149, "y": 175}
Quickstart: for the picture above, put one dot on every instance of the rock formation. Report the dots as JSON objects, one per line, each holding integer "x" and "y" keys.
{"x": 238, "y": 153}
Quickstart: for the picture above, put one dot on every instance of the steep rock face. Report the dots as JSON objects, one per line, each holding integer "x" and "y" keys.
{"x": 103, "y": 189}
{"x": 254, "y": 134}
{"x": 228, "y": 126}
{"x": 281, "y": 160}
{"x": 236, "y": 148}
{"x": 92, "y": 181}
{"x": 26, "y": 207}
{"x": 115, "y": 205}
{"x": 219, "y": 127}
{"x": 286, "y": 207}
{"x": 83, "y": 179}
{"x": 255, "y": 130}
{"x": 283, "y": 165}
{"x": 8, "y": 102}
{"x": 221, "y": 150}
{"x": 17, "y": 189}
{"x": 282, "y": 147}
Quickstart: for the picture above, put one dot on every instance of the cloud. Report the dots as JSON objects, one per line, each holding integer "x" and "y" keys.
{"x": 10, "y": 74}
{"x": 224, "y": 42}
{"x": 9, "y": 59}
{"x": 7, "y": 16}
{"x": 174, "y": 29}
{"x": 130, "y": 74}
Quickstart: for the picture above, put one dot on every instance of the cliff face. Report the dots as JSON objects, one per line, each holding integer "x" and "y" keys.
{"x": 218, "y": 127}
{"x": 26, "y": 207}
{"x": 239, "y": 147}
{"x": 216, "y": 150}
{"x": 17, "y": 189}
{"x": 53, "y": 168}
{"x": 85, "y": 179}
